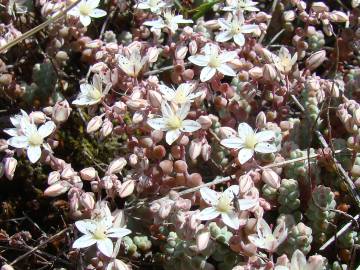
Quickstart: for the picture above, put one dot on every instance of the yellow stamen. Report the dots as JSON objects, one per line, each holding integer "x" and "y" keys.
{"x": 35, "y": 139}
{"x": 250, "y": 141}
{"x": 174, "y": 122}
{"x": 224, "y": 204}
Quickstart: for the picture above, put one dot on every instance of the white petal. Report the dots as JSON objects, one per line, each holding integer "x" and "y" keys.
{"x": 166, "y": 110}
{"x": 34, "y": 153}
{"x": 84, "y": 101}
{"x": 184, "y": 110}
{"x": 224, "y": 23}
{"x": 105, "y": 246}
{"x": 84, "y": 241}
{"x": 259, "y": 242}
{"x": 281, "y": 267}
{"x": 208, "y": 213}
{"x": 97, "y": 13}
{"x": 158, "y": 24}
{"x": 211, "y": 49}
{"x": 93, "y": 3}
{"x": 246, "y": 204}
{"x": 233, "y": 143}
{"x": 231, "y": 219}
{"x": 142, "y": 6}
{"x": 172, "y": 136}
{"x": 245, "y": 130}
{"x": 207, "y": 73}
{"x": 298, "y": 261}
{"x": 231, "y": 191}
{"x": 226, "y": 70}
{"x": 265, "y": 136}
{"x": 85, "y": 20}
{"x": 227, "y": 56}
{"x": 264, "y": 228}
{"x": 199, "y": 60}
{"x": 245, "y": 154}
{"x": 85, "y": 88}
{"x": 209, "y": 196}
{"x": 85, "y": 226}
{"x": 190, "y": 126}
{"x": 249, "y": 28}
{"x": 167, "y": 92}
{"x": 157, "y": 123}
{"x": 224, "y": 36}
{"x": 18, "y": 142}
{"x": 239, "y": 39}
{"x": 125, "y": 65}
{"x": 265, "y": 148}
{"x": 46, "y": 129}
{"x": 118, "y": 232}
{"x": 13, "y": 132}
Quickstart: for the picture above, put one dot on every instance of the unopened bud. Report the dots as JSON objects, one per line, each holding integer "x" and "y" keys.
{"x": 87, "y": 200}
{"x": 153, "y": 54}
{"x": 271, "y": 178}
{"x": 289, "y": 16}
{"x": 94, "y": 124}
{"x": 315, "y": 60}
{"x": 68, "y": 172}
{"x": 155, "y": 98}
{"x": 10, "y": 164}
{"x": 38, "y": 117}
{"x": 319, "y": 7}
{"x": 206, "y": 151}
{"x": 53, "y": 178}
{"x": 61, "y": 111}
{"x": 57, "y": 189}
{"x": 269, "y": 73}
{"x": 260, "y": 121}
{"x": 202, "y": 240}
{"x": 88, "y": 174}
{"x": 180, "y": 52}
{"x": 256, "y": 73}
{"x": 195, "y": 148}
{"x": 338, "y": 16}
{"x": 106, "y": 128}
{"x": 116, "y": 166}
{"x": 204, "y": 121}
{"x": 126, "y": 188}
{"x": 193, "y": 47}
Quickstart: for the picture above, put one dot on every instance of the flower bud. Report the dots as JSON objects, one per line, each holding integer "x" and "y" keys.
{"x": 87, "y": 201}
{"x": 289, "y": 16}
{"x": 260, "y": 121}
{"x": 195, "y": 148}
{"x": 116, "y": 166}
{"x": 119, "y": 107}
{"x": 319, "y": 7}
{"x": 256, "y": 73}
{"x": 61, "y": 111}
{"x": 206, "y": 151}
{"x": 94, "y": 124}
{"x": 269, "y": 73}
{"x": 10, "y": 164}
{"x": 204, "y": 121}
{"x": 338, "y": 16}
{"x": 88, "y": 174}
{"x": 106, "y": 128}
{"x": 315, "y": 60}
{"x": 106, "y": 182}
{"x": 53, "y": 178}
{"x": 180, "y": 52}
{"x": 202, "y": 240}
{"x": 136, "y": 104}
{"x": 38, "y": 117}
{"x": 126, "y": 188}
{"x": 153, "y": 54}
{"x": 155, "y": 98}
{"x": 57, "y": 189}
{"x": 68, "y": 172}
{"x": 271, "y": 178}
{"x": 193, "y": 47}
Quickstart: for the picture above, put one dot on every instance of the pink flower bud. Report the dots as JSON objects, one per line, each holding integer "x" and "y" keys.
{"x": 61, "y": 111}
{"x": 204, "y": 121}
{"x": 137, "y": 104}
{"x": 53, "y": 178}
{"x": 193, "y": 47}
{"x": 256, "y": 73}
{"x": 260, "y": 121}
{"x": 57, "y": 189}
{"x": 126, "y": 188}
{"x": 195, "y": 148}
{"x": 138, "y": 117}
{"x": 68, "y": 172}
{"x": 10, "y": 164}
{"x": 38, "y": 117}
{"x": 119, "y": 107}
{"x": 202, "y": 240}
{"x": 88, "y": 174}
{"x": 106, "y": 182}
{"x": 87, "y": 200}
{"x": 289, "y": 16}
{"x": 245, "y": 183}
{"x": 106, "y": 128}
{"x": 3, "y": 145}
{"x": 338, "y": 16}
{"x": 116, "y": 166}
{"x": 94, "y": 124}
{"x": 319, "y": 7}
{"x": 315, "y": 60}
{"x": 206, "y": 151}
{"x": 180, "y": 52}
{"x": 269, "y": 72}
{"x": 155, "y": 98}
{"x": 271, "y": 178}
{"x": 153, "y": 54}
{"x": 164, "y": 210}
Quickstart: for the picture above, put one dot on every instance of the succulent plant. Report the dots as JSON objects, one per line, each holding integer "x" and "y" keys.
{"x": 288, "y": 197}
{"x": 299, "y": 237}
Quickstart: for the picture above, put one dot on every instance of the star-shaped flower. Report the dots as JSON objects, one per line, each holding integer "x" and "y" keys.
{"x": 213, "y": 61}
{"x": 240, "y": 5}
{"x": 284, "y": 62}
{"x": 222, "y": 204}
{"x": 133, "y": 62}
{"x": 174, "y": 122}
{"x": 250, "y": 142}
{"x": 155, "y": 6}
{"x": 86, "y": 10}
{"x": 33, "y": 138}
{"x": 299, "y": 262}
{"x": 91, "y": 93}
{"x": 235, "y": 29}
{"x": 16, "y": 121}
{"x": 98, "y": 231}
{"x": 181, "y": 95}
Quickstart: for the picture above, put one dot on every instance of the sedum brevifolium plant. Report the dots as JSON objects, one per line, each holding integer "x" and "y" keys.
{"x": 180, "y": 134}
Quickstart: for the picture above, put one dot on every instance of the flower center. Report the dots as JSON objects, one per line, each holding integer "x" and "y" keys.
{"x": 224, "y": 204}
{"x": 95, "y": 94}
{"x": 180, "y": 97}
{"x": 174, "y": 122}
{"x": 235, "y": 29}
{"x": 35, "y": 139}
{"x": 250, "y": 141}
{"x": 84, "y": 9}
{"x": 214, "y": 61}
{"x": 99, "y": 233}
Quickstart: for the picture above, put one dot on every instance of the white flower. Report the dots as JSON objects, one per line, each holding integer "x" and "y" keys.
{"x": 91, "y": 93}
{"x": 266, "y": 239}
{"x": 298, "y": 262}
{"x": 33, "y": 139}
{"x": 284, "y": 62}
{"x": 355, "y": 3}
{"x": 169, "y": 21}
{"x": 222, "y": 205}
{"x": 86, "y": 10}
{"x": 173, "y": 122}
{"x": 98, "y": 232}
{"x": 250, "y": 142}
{"x": 235, "y": 29}
{"x": 133, "y": 62}
{"x": 181, "y": 95}
{"x": 213, "y": 61}
{"x": 241, "y": 5}
{"x": 155, "y": 6}
{"x": 16, "y": 120}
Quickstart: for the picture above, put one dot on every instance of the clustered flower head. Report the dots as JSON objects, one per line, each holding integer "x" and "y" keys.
{"x": 183, "y": 134}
